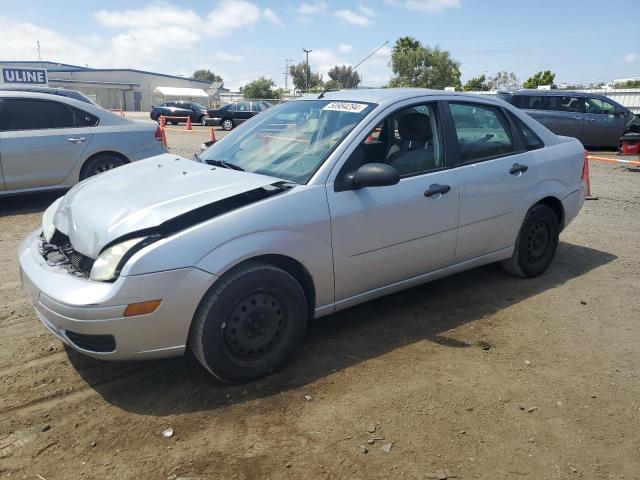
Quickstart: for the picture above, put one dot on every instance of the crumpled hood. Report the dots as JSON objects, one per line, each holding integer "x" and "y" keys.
{"x": 143, "y": 195}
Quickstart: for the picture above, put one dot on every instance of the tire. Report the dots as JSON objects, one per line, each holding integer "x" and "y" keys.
{"x": 536, "y": 244}
{"x": 203, "y": 120}
{"x": 249, "y": 322}
{"x": 101, "y": 163}
{"x": 174, "y": 122}
{"x": 227, "y": 124}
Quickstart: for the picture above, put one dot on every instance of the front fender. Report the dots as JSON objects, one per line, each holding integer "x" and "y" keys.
{"x": 313, "y": 253}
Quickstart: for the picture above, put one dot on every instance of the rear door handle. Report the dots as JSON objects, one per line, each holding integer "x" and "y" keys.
{"x": 436, "y": 188}
{"x": 517, "y": 168}
{"x": 76, "y": 140}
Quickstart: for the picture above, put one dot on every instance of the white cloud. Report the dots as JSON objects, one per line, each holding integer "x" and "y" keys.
{"x": 311, "y": 8}
{"x": 429, "y": 6}
{"x": 366, "y": 11}
{"x": 20, "y": 43}
{"x": 272, "y": 17}
{"x": 630, "y": 58}
{"x": 352, "y": 17}
{"x": 344, "y": 48}
{"x": 227, "y": 57}
{"x": 232, "y": 14}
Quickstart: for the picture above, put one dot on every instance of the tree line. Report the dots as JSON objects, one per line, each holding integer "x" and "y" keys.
{"x": 413, "y": 65}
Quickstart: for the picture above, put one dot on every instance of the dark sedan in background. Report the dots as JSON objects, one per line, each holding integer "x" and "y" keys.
{"x": 234, "y": 114}
{"x": 595, "y": 120}
{"x": 180, "y": 108}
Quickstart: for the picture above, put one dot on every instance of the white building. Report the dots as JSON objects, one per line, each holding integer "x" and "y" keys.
{"x": 120, "y": 88}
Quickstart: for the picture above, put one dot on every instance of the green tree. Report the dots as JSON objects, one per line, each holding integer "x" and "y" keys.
{"x": 417, "y": 65}
{"x": 477, "y": 84}
{"x": 540, "y": 78}
{"x": 299, "y": 75}
{"x": 629, "y": 84}
{"x": 503, "y": 81}
{"x": 206, "y": 76}
{"x": 332, "y": 85}
{"x": 261, "y": 88}
{"x": 345, "y": 76}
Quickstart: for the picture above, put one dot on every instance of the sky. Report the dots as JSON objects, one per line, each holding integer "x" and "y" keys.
{"x": 582, "y": 41}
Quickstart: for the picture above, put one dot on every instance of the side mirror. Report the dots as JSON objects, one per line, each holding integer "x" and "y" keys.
{"x": 375, "y": 175}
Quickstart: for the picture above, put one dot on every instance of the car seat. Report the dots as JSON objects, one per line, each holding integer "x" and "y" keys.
{"x": 414, "y": 152}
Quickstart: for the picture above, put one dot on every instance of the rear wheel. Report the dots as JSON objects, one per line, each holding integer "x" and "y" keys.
{"x": 249, "y": 322}
{"x": 101, "y": 163}
{"x": 227, "y": 124}
{"x": 203, "y": 120}
{"x": 536, "y": 244}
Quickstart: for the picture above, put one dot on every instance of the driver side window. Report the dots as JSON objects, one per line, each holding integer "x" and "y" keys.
{"x": 408, "y": 140}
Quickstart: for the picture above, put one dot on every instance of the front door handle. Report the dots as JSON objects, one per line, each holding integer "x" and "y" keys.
{"x": 76, "y": 140}
{"x": 517, "y": 168}
{"x": 436, "y": 188}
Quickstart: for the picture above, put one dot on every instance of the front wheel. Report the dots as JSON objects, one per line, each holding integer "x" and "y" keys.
{"x": 203, "y": 120}
{"x": 100, "y": 163}
{"x": 227, "y": 124}
{"x": 536, "y": 244}
{"x": 249, "y": 322}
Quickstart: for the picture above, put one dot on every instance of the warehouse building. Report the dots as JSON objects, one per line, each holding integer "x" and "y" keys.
{"x": 123, "y": 88}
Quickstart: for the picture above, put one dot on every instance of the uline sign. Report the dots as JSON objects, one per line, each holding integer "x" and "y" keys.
{"x": 24, "y": 76}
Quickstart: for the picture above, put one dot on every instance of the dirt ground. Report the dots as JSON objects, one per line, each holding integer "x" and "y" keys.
{"x": 479, "y": 375}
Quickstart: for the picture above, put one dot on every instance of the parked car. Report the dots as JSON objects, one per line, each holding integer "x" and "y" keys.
{"x": 233, "y": 114}
{"x": 52, "y": 141}
{"x": 196, "y": 111}
{"x": 50, "y": 90}
{"x": 595, "y": 120}
{"x": 365, "y": 193}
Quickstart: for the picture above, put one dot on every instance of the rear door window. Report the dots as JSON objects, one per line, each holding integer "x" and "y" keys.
{"x": 255, "y": 106}
{"x": 84, "y": 119}
{"x": 560, "y": 103}
{"x": 529, "y": 138}
{"x": 482, "y": 130}
{"x": 31, "y": 114}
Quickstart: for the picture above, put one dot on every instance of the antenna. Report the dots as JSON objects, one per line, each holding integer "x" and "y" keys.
{"x": 38, "y": 45}
{"x": 367, "y": 57}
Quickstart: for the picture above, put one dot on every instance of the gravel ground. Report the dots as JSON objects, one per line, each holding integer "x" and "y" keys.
{"x": 479, "y": 375}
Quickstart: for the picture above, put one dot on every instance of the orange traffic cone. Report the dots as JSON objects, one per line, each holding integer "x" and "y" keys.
{"x": 369, "y": 139}
{"x": 164, "y": 137}
{"x": 212, "y": 135}
{"x": 189, "y": 123}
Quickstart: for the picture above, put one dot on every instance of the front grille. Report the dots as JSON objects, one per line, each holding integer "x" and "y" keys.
{"x": 92, "y": 343}
{"x": 60, "y": 252}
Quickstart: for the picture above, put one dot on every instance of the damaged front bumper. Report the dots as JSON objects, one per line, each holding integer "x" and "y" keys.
{"x": 88, "y": 315}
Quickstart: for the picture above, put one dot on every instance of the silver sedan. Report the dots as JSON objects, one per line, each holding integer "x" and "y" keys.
{"x": 311, "y": 207}
{"x": 52, "y": 142}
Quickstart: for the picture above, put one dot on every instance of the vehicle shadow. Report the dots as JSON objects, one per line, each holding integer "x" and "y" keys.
{"x": 338, "y": 341}
{"x": 28, "y": 203}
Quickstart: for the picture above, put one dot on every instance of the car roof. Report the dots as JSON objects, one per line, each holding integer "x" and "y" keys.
{"x": 63, "y": 92}
{"x": 389, "y": 95}
{"x": 555, "y": 91}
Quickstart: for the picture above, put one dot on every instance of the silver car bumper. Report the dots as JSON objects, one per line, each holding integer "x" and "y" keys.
{"x": 88, "y": 315}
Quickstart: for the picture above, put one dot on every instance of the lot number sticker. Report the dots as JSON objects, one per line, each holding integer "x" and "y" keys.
{"x": 345, "y": 107}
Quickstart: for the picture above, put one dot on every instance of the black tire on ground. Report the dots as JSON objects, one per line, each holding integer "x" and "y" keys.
{"x": 203, "y": 120}
{"x": 174, "y": 122}
{"x": 227, "y": 124}
{"x": 536, "y": 244}
{"x": 249, "y": 322}
{"x": 101, "y": 163}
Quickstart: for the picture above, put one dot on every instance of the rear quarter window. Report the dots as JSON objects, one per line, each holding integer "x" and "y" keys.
{"x": 529, "y": 138}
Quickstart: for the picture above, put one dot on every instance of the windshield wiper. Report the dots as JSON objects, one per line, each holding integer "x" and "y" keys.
{"x": 225, "y": 164}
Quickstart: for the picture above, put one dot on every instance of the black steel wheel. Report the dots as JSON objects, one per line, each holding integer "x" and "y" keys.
{"x": 536, "y": 244}
{"x": 101, "y": 163}
{"x": 249, "y": 322}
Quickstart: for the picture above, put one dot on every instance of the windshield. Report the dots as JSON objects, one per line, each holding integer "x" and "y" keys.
{"x": 197, "y": 105}
{"x": 289, "y": 141}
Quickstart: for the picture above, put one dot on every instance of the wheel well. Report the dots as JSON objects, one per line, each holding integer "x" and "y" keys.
{"x": 556, "y": 205}
{"x": 107, "y": 152}
{"x": 297, "y": 271}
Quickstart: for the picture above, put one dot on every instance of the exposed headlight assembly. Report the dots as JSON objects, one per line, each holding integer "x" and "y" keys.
{"x": 48, "y": 228}
{"x": 109, "y": 263}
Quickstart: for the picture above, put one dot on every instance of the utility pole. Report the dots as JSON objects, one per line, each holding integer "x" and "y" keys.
{"x": 307, "y": 52}
{"x": 287, "y": 62}
{"x": 39, "y": 56}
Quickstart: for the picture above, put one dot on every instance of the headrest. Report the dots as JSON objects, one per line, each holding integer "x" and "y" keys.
{"x": 414, "y": 127}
